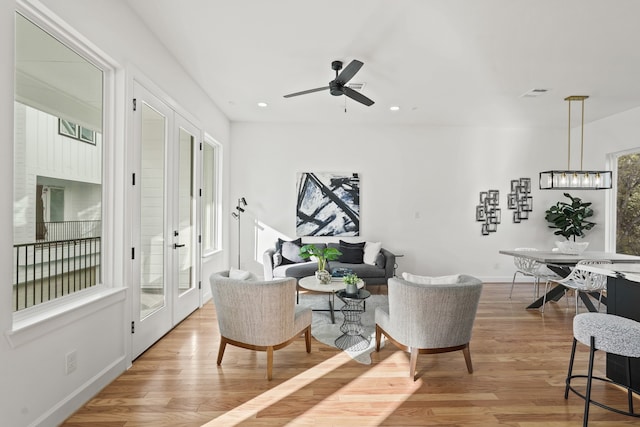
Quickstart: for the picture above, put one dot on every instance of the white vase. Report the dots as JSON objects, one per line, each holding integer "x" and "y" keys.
{"x": 323, "y": 276}
{"x": 571, "y": 248}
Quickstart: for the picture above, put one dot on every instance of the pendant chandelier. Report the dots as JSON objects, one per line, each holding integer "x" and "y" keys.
{"x": 575, "y": 179}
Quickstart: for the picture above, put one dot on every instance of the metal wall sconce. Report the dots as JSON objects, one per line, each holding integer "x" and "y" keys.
{"x": 488, "y": 211}
{"x": 242, "y": 202}
{"x": 519, "y": 199}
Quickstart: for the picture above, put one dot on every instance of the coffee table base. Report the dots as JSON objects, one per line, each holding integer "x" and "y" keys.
{"x": 353, "y": 342}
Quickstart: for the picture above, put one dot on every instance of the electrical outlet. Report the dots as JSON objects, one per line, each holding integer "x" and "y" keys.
{"x": 71, "y": 361}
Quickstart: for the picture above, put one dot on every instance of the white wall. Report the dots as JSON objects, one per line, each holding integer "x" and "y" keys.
{"x": 419, "y": 189}
{"x": 34, "y": 389}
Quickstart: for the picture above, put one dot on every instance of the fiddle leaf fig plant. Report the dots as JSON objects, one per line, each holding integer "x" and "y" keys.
{"x": 321, "y": 254}
{"x": 570, "y": 219}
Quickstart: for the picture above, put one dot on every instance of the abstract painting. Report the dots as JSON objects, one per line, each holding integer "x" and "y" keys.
{"x": 328, "y": 204}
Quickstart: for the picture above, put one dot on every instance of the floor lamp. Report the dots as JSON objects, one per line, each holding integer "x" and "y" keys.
{"x": 242, "y": 202}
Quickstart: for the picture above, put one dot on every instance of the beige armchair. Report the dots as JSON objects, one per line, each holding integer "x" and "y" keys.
{"x": 430, "y": 318}
{"x": 258, "y": 315}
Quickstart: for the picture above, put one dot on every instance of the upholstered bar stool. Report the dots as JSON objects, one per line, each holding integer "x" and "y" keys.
{"x": 612, "y": 334}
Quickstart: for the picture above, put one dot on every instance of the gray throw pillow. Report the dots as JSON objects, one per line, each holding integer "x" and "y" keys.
{"x": 380, "y": 260}
{"x": 277, "y": 259}
{"x": 291, "y": 253}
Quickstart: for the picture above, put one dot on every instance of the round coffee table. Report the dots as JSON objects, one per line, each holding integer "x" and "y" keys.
{"x": 310, "y": 283}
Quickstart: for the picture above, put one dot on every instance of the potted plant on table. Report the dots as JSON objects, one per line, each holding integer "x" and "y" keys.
{"x": 351, "y": 282}
{"x": 322, "y": 255}
{"x": 570, "y": 221}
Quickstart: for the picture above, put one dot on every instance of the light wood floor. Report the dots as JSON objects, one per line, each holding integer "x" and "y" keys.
{"x": 520, "y": 359}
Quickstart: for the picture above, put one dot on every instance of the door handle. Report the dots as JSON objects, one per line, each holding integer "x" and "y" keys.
{"x": 176, "y": 246}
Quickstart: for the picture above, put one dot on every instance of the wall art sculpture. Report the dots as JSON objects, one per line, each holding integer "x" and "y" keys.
{"x": 488, "y": 211}
{"x": 328, "y": 204}
{"x": 520, "y": 199}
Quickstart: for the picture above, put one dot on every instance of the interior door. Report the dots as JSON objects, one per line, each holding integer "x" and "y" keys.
{"x": 186, "y": 294}
{"x": 164, "y": 217}
{"x": 151, "y": 251}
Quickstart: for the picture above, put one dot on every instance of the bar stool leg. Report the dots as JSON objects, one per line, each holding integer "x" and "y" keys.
{"x": 629, "y": 394}
{"x": 587, "y": 400}
{"x": 573, "y": 354}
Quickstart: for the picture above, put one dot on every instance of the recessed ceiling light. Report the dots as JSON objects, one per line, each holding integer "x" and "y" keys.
{"x": 394, "y": 108}
{"x": 262, "y": 104}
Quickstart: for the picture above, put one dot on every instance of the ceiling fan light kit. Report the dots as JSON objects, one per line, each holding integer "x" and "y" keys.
{"x": 338, "y": 86}
{"x": 575, "y": 179}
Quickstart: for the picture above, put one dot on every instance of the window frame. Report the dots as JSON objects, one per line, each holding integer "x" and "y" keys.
{"x": 33, "y": 322}
{"x": 216, "y": 231}
{"x": 611, "y": 204}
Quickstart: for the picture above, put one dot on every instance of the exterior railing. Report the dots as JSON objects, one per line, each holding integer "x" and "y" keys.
{"x": 53, "y": 231}
{"x": 48, "y": 270}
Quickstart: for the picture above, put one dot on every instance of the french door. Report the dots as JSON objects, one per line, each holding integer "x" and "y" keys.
{"x": 164, "y": 250}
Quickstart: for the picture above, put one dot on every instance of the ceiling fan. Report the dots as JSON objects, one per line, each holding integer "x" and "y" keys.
{"x": 338, "y": 86}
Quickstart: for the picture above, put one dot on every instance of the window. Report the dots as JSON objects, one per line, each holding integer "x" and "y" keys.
{"x": 628, "y": 204}
{"x": 57, "y": 180}
{"x": 210, "y": 193}
{"x": 75, "y": 131}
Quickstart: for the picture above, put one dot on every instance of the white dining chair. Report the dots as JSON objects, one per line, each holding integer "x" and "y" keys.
{"x": 581, "y": 280}
{"x": 531, "y": 268}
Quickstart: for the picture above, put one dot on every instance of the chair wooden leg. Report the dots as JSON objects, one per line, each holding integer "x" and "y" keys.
{"x": 467, "y": 358}
{"x": 269, "y": 362}
{"x": 378, "y": 336}
{"x": 413, "y": 362}
{"x": 307, "y": 338}
{"x": 223, "y": 345}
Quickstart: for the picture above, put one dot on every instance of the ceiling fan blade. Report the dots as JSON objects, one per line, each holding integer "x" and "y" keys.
{"x": 304, "y": 92}
{"x": 357, "y": 96}
{"x": 349, "y": 71}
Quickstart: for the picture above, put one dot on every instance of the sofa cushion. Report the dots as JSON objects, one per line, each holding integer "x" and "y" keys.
{"x": 381, "y": 260}
{"x": 298, "y": 271}
{"x": 371, "y": 251}
{"x": 277, "y": 258}
{"x": 363, "y": 271}
{"x": 352, "y": 253}
{"x": 238, "y": 274}
{"x": 290, "y": 251}
{"x": 428, "y": 280}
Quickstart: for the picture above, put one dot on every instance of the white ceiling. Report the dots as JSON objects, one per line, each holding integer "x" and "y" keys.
{"x": 444, "y": 62}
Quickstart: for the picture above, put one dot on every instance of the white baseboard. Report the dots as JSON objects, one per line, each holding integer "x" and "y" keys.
{"x": 66, "y": 407}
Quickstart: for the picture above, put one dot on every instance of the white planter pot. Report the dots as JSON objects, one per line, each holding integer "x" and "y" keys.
{"x": 571, "y": 247}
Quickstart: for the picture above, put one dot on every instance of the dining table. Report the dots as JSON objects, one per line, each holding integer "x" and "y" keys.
{"x": 562, "y": 263}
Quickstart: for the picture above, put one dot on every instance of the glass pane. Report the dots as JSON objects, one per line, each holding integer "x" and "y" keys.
{"x": 185, "y": 212}
{"x": 208, "y": 199}
{"x": 628, "y": 205}
{"x": 56, "y": 204}
{"x": 56, "y": 90}
{"x": 152, "y": 283}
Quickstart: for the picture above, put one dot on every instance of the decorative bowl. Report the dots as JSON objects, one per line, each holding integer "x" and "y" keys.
{"x": 572, "y": 248}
